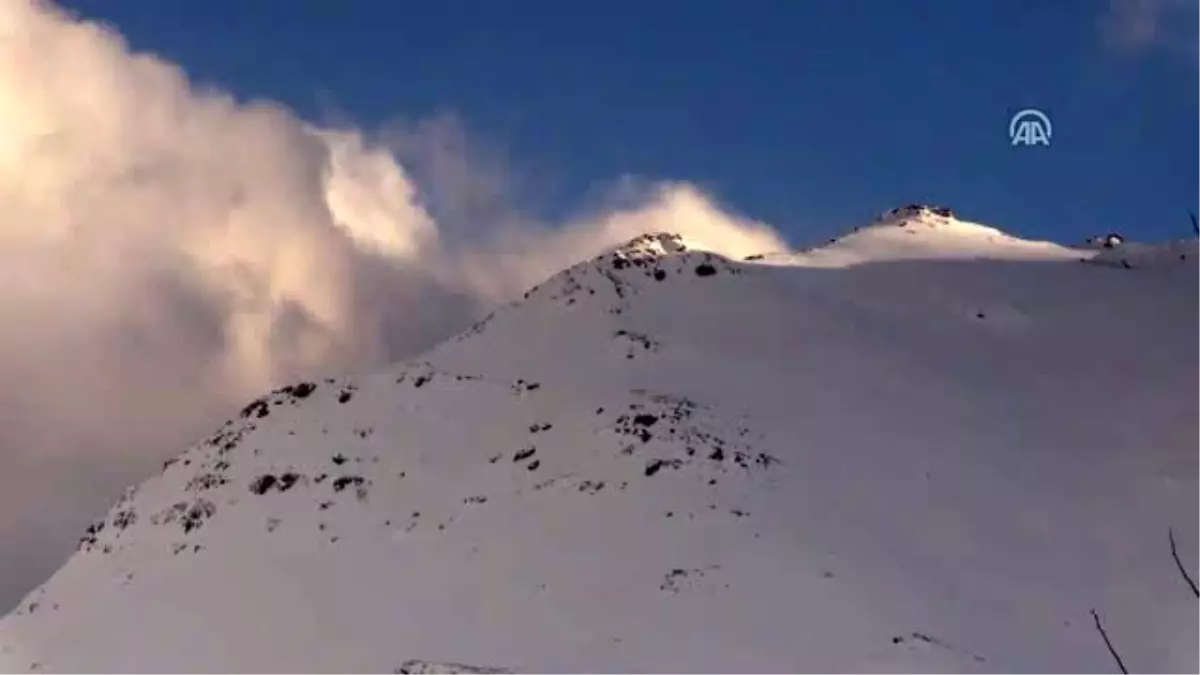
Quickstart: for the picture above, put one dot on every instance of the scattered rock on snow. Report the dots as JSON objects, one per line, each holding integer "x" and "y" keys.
{"x": 419, "y": 667}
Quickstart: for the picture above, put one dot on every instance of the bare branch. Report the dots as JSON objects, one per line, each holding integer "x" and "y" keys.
{"x": 1175, "y": 555}
{"x": 1108, "y": 644}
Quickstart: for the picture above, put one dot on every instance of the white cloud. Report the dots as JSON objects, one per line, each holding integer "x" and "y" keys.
{"x": 1139, "y": 26}
{"x": 167, "y": 253}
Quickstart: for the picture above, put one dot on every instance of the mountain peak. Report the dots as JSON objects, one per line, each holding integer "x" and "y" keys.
{"x": 934, "y": 219}
{"x": 916, "y": 211}
{"x": 656, "y": 244}
{"x": 923, "y": 232}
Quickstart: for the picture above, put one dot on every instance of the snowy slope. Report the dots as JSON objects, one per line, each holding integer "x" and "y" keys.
{"x": 925, "y": 446}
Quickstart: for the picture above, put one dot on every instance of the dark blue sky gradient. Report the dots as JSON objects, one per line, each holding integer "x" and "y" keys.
{"x": 811, "y": 115}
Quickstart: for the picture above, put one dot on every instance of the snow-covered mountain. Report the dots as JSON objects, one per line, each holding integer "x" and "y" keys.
{"x": 925, "y": 446}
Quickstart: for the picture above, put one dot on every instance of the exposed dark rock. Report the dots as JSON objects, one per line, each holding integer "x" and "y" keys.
{"x": 591, "y": 487}
{"x": 258, "y": 407}
{"x": 124, "y": 519}
{"x": 522, "y": 385}
{"x": 765, "y": 460}
{"x": 91, "y": 536}
{"x": 705, "y": 270}
{"x": 263, "y": 483}
{"x": 524, "y": 454}
{"x": 673, "y": 578}
{"x": 195, "y": 516}
{"x": 645, "y": 419}
{"x": 205, "y": 481}
{"x": 342, "y": 482}
{"x": 419, "y": 667}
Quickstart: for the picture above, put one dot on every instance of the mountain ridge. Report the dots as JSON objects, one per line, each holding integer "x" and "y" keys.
{"x": 851, "y": 458}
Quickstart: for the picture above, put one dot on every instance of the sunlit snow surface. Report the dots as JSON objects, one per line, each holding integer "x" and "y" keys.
{"x": 925, "y": 446}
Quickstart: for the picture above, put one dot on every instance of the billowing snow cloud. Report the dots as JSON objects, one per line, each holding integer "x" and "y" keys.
{"x": 167, "y": 252}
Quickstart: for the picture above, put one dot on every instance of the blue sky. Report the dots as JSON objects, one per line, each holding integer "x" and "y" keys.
{"x": 810, "y": 115}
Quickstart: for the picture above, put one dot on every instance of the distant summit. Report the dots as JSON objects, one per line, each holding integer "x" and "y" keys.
{"x": 914, "y": 210}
